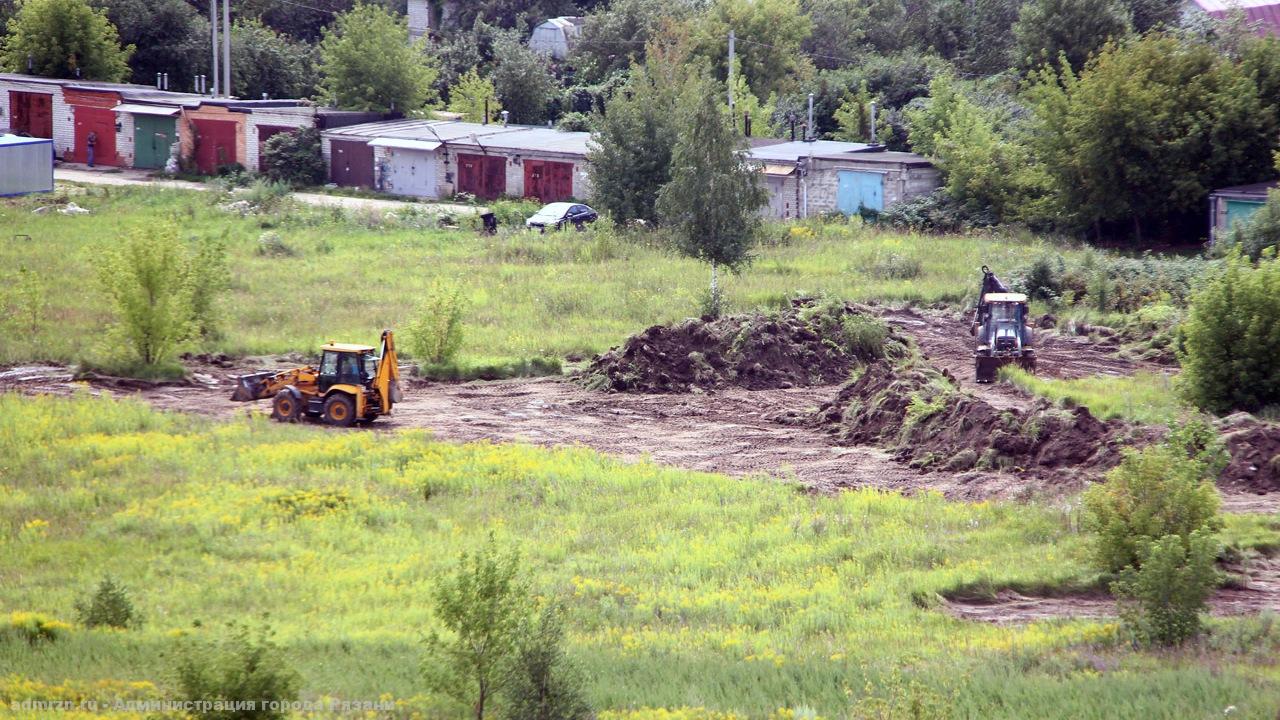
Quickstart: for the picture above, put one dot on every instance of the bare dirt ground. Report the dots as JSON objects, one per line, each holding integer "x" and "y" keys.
{"x": 944, "y": 339}
{"x": 733, "y": 431}
{"x": 1256, "y": 590}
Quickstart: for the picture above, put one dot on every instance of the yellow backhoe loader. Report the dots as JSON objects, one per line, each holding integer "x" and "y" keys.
{"x": 352, "y": 383}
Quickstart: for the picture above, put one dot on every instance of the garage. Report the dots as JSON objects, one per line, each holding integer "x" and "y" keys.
{"x": 154, "y": 133}
{"x": 351, "y": 164}
{"x": 215, "y": 144}
{"x": 94, "y": 114}
{"x": 410, "y": 166}
{"x": 547, "y": 180}
{"x": 31, "y": 113}
{"x": 857, "y": 190}
{"x": 26, "y": 165}
{"x": 484, "y": 176}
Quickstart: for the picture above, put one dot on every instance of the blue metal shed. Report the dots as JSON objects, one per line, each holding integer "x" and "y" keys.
{"x": 26, "y": 165}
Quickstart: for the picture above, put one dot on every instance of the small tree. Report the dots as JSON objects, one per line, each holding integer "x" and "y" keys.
{"x": 1231, "y": 338}
{"x": 713, "y": 200}
{"x": 472, "y": 95}
{"x": 64, "y": 39}
{"x": 266, "y": 62}
{"x": 435, "y": 332}
{"x": 1047, "y": 29}
{"x": 482, "y": 605}
{"x": 541, "y": 683}
{"x": 239, "y": 668}
{"x": 294, "y": 157}
{"x": 162, "y": 292}
{"x": 367, "y": 63}
{"x": 108, "y": 605}
{"x": 1155, "y": 519}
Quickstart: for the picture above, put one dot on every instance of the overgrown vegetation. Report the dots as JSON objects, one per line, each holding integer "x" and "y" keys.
{"x": 1231, "y": 338}
{"x": 679, "y": 589}
{"x": 243, "y": 666}
{"x": 294, "y": 158}
{"x": 1156, "y": 518}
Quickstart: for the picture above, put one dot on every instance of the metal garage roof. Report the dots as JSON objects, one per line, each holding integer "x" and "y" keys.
{"x": 146, "y": 110}
{"x": 405, "y": 144}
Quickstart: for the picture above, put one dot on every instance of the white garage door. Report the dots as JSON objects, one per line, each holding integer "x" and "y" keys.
{"x": 410, "y": 172}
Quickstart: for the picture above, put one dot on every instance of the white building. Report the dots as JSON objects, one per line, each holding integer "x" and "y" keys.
{"x": 556, "y": 36}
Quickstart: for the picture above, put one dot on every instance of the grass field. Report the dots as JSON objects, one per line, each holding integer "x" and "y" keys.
{"x": 1145, "y": 398}
{"x": 529, "y": 295}
{"x": 683, "y": 590}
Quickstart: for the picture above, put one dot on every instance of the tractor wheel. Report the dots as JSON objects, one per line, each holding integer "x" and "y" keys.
{"x": 339, "y": 410}
{"x": 286, "y": 407}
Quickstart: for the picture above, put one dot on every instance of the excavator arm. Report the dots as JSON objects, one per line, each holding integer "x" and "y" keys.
{"x": 387, "y": 380}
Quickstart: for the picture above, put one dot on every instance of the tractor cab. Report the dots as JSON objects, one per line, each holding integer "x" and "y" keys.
{"x": 1004, "y": 337}
{"x": 346, "y": 364}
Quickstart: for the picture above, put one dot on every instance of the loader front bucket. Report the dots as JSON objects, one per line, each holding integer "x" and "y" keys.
{"x": 987, "y": 367}
{"x": 251, "y": 387}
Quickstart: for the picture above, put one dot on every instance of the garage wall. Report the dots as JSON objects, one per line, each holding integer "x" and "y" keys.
{"x": 64, "y": 138}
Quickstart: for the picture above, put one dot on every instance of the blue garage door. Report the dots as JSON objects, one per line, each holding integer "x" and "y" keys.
{"x": 857, "y": 190}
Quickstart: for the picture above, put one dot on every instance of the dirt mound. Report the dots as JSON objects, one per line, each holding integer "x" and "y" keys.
{"x": 919, "y": 412}
{"x": 1255, "y": 454}
{"x": 810, "y": 343}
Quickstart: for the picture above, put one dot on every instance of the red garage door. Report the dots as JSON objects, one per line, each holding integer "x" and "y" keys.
{"x": 31, "y": 113}
{"x": 548, "y": 181}
{"x": 351, "y": 163}
{"x": 103, "y": 124}
{"x": 215, "y": 144}
{"x": 265, "y": 133}
{"x": 484, "y": 176}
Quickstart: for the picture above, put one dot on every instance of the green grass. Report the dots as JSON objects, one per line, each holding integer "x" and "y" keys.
{"x": 682, "y": 589}
{"x": 1146, "y": 398}
{"x": 529, "y": 295}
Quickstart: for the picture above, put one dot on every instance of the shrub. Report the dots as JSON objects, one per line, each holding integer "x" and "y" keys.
{"x": 163, "y": 293}
{"x": 574, "y": 122}
{"x": 1166, "y": 489}
{"x": 270, "y": 244}
{"x": 108, "y": 605}
{"x": 1043, "y": 280}
{"x": 935, "y": 212}
{"x": 1161, "y": 601}
{"x": 267, "y": 196}
{"x": 27, "y": 302}
{"x": 32, "y": 628}
{"x": 1231, "y": 338}
{"x": 435, "y": 331}
{"x": 294, "y": 158}
{"x": 541, "y": 684}
{"x": 864, "y": 336}
{"x": 896, "y": 267}
{"x": 240, "y": 668}
{"x": 482, "y": 604}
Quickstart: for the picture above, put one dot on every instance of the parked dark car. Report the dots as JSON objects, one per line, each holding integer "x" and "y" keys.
{"x": 558, "y": 215}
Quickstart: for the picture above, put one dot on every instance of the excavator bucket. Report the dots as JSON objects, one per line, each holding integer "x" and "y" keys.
{"x": 251, "y": 387}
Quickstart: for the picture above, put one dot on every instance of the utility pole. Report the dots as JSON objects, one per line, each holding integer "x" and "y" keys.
{"x": 226, "y": 47}
{"x": 213, "y": 27}
{"x": 808, "y": 130}
{"x": 732, "y": 39}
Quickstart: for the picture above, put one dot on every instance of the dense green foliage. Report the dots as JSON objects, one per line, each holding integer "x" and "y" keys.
{"x": 367, "y": 63}
{"x": 542, "y": 683}
{"x": 1261, "y": 232}
{"x": 64, "y": 39}
{"x": 1231, "y": 338}
{"x": 472, "y": 97}
{"x": 169, "y": 36}
{"x": 241, "y": 666}
{"x": 712, "y": 202}
{"x": 1156, "y": 517}
{"x": 266, "y": 64}
{"x": 522, "y": 80}
{"x": 630, "y": 160}
{"x": 1048, "y": 31}
{"x": 294, "y": 157}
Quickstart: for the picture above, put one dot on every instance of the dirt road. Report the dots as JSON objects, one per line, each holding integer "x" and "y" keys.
{"x": 117, "y": 177}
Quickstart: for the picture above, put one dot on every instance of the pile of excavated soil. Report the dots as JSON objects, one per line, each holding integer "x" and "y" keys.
{"x": 1255, "y": 454}
{"x": 920, "y": 413}
{"x": 810, "y": 343}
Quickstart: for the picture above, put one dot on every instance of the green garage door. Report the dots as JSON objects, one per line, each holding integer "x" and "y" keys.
{"x": 152, "y": 137}
{"x": 1239, "y": 211}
